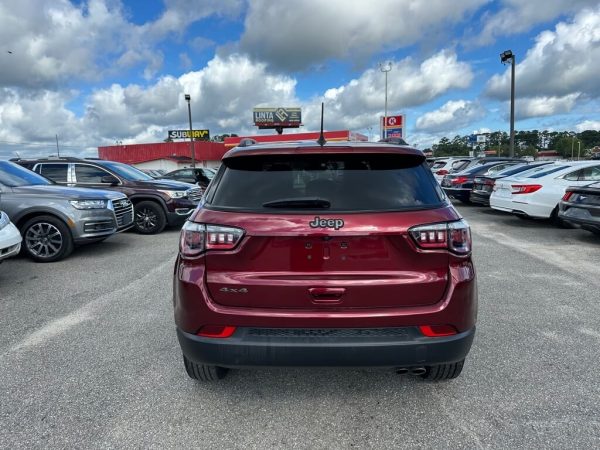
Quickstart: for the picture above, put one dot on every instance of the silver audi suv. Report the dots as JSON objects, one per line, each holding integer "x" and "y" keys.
{"x": 54, "y": 219}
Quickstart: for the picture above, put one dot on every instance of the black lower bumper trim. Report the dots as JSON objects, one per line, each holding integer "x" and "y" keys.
{"x": 326, "y": 348}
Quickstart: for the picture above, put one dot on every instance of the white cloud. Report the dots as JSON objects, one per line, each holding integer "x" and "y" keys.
{"x": 56, "y": 41}
{"x": 296, "y": 36}
{"x": 544, "y": 106}
{"x": 588, "y": 125}
{"x": 223, "y": 94}
{"x": 562, "y": 62}
{"x": 453, "y": 115}
{"x": 517, "y": 16}
{"x": 359, "y": 103}
{"x": 179, "y": 14}
{"x": 53, "y": 41}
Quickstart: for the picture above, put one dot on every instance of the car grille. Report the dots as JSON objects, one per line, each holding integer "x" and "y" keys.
{"x": 123, "y": 212}
{"x": 195, "y": 194}
{"x": 321, "y": 333}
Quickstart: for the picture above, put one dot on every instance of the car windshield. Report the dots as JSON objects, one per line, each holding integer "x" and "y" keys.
{"x": 382, "y": 182}
{"x": 126, "y": 171}
{"x": 13, "y": 175}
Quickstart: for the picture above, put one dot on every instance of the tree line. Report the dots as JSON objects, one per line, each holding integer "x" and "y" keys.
{"x": 527, "y": 143}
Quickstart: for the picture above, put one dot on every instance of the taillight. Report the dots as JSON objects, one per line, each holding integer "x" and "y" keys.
{"x": 437, "y": 330}
{"x": 525, "y": 188}
{"x": 459, "y": 180}
{"x": 453, "y": 236}
{"x": 197, "y": 238}
{"x": 567, "y": 196}
{"x": 442, "y": 172}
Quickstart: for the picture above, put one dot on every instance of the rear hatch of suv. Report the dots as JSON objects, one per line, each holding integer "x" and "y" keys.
{"x": 324, "y": 228}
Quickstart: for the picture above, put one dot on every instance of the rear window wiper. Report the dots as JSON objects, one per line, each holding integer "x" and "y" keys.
{"x": 306, "y": 202}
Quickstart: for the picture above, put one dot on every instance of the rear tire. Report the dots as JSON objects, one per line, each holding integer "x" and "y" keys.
{"x": 46, "y": 239}
{"x": 149, "y": 217}
{"x": 203, "y": 372}
{"x": 443, "y": 371}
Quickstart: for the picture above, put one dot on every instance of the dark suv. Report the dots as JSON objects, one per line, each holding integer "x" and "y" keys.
{"x": 346, "y": 254}
{"x": 199, "y": 175}
{"x": 157, "y": 203}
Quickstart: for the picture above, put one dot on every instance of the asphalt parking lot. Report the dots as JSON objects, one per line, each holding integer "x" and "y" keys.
{"x": 89, "y": 358}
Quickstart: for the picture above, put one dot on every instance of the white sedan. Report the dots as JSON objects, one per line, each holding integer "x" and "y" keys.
{"x": 10, "y": 238}
{"x": 537, "y": 192}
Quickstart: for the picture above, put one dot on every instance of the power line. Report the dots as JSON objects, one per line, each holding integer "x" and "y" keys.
{"x": 40, "y": 144}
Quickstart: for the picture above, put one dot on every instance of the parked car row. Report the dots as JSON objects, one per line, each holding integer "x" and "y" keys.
{"x": 57, "y": 204}
{"x": 566, "y": 192}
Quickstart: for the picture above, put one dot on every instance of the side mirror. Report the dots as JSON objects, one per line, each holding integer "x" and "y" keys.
{"x": 109, "y": 179}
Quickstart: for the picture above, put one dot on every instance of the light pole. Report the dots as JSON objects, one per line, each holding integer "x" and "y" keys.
{"x": 188, "y": 98}
{"x": 385, "y": 68}
{"x": 505, "y": 57}
{"x": 578, "y": 150}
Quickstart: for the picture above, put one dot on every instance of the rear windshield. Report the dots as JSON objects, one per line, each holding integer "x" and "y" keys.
{"x": 547, "y": 172}
{"x": 374, "y": 182}
{"x": 439, "y": 164}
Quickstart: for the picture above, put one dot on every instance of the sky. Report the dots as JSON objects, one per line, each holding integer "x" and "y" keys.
{"x": 96, "y": 72}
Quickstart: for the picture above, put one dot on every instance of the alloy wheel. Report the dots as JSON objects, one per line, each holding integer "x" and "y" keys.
{"x": 146, "y": 219}
{"x": 44, "y": 240}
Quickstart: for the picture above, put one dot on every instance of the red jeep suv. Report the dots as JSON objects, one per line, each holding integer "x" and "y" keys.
{"x": 342, "y": 254}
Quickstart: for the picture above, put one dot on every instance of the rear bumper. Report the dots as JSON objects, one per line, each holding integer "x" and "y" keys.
{"x": 458, "y": 193}
{"x": 587, "y": 223}
{"x": 362, "y": 347}
{"x": 480, "y": 197}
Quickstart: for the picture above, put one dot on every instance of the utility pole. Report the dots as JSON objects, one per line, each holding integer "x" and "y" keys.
{"x": 572, "y": 145}
{"x": 188, "y": 98}
{"x": 57, "y": 149}
{"x": 385, "y": 68}
{"x": 506, "y": 56}
{"x": 578, "y": 150}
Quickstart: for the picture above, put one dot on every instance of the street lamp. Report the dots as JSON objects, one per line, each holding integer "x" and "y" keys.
{"x": 505, "y": 58}
{"x": 385, "y": 68}
{"x": 187, "y": 99}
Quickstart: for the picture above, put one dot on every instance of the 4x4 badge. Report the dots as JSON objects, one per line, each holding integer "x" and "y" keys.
{"x": 317, "y": 222}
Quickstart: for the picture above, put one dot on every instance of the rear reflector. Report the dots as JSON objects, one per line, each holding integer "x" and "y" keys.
{"x": 525, "y": 188}
{"x": 216, "y": 331}
{"x": 437, "y": 330}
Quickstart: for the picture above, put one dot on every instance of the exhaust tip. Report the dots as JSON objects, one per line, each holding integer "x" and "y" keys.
{"x": 418, "y": 370}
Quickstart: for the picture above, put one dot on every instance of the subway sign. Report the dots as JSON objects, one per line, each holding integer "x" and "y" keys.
{"x": 202, "y": 135}
{"x": 277, "y": 117}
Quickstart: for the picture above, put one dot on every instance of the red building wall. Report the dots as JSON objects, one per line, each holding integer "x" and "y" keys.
{"x": 136, "y": 153}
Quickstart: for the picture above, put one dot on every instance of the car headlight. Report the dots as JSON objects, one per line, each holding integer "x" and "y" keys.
{"x": 4, "y": 220}
{"x": 88, "y": 204}
{"x": 174, "y": 194}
